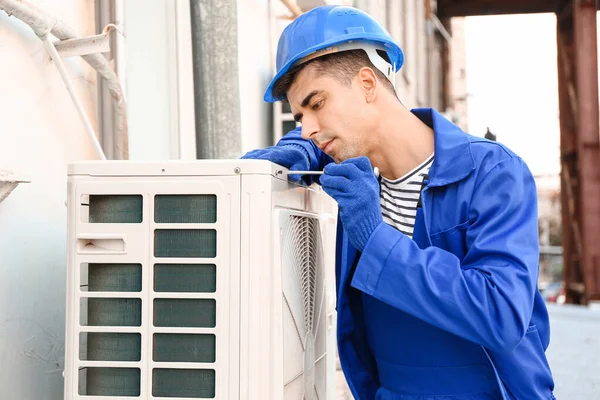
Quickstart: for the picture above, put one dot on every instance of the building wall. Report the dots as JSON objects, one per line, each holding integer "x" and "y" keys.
{"x": 148, "y": 58}
{"x": 255, "y": 71}
{"x": 40, "y": 132}
{"x": 157, "y": 75}
{"x": 420, "y": 77}
{"x": 458, "y": 71}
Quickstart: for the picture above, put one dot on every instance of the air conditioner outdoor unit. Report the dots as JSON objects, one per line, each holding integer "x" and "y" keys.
{"x": 202, "y": 279}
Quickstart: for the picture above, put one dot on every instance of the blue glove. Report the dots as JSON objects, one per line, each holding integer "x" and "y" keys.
{"x": 354, "y": 186}
{"x": 291, "y": 156}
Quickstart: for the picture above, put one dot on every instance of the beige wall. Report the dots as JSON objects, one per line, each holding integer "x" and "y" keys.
{"x": 40, "y": 132}
{"x": 255, "y": 72}
{"x": 458, "y": 70}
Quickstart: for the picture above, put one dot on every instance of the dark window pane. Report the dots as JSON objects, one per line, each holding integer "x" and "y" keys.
{"x": 287, "y": 126}
{"x": 285, "y": 107}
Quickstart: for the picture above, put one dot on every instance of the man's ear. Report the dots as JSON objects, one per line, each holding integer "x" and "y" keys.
{"x": 368, "y": 83}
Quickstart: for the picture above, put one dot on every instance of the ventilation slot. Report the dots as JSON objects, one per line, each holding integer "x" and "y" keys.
{"x": 112, "y": 209}
{"x": 111, "y": 311}
{"x": 174, "y": 282}
{"x": 113, "y": 382}
{"x": 185, "y": 209}
{"x": 303, "y": 297}
{"x": 303, "y": 240}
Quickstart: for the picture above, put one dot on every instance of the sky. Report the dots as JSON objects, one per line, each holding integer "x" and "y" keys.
{"x": 512, "y": 85}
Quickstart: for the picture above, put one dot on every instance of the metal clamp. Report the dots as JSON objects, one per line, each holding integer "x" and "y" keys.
{"x": 86, "y": 45}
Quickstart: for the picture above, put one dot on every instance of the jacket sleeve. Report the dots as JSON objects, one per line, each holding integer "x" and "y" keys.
{"x": 488, "y": 297}
{"x": 317, "y": 158}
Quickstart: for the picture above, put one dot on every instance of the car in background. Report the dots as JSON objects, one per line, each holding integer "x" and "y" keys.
{"x": 554, "y": 292}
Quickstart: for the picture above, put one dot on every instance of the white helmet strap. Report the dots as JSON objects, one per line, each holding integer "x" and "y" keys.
{"x": 387, "y": 69}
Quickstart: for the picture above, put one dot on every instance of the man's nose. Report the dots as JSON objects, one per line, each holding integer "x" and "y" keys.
{"x": 310, "y": 127}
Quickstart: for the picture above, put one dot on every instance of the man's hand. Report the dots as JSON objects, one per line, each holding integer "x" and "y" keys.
{"x": 291, "y": 156}
{"x": 354, "y": 186}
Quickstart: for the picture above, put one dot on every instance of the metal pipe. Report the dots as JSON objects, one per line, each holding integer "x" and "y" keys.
{"x": 100, "y": 64}
{"x": 428, "y": 9}
{"x": 293, "y": 7}
{"x": 112, "y": 111}
{"x": 42, "y": 24}
{"x": 441, "y": 28}
{"x": 69, "y": 84}
{"x": 216, "y": 79}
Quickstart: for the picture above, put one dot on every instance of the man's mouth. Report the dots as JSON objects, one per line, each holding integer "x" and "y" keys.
{"x": 327, "y": 145}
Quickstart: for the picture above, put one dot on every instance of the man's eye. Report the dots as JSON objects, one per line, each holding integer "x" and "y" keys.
{"x": 317, "y": 105}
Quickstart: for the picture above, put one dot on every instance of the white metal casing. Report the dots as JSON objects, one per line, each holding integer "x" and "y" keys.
{"x": 252, "y": 198}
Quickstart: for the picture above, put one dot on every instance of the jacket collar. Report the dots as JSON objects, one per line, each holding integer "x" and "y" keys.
{"x": 453, "y": 159}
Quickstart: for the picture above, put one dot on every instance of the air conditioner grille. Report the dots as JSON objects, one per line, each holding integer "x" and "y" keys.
{"x": 304, "y": 240}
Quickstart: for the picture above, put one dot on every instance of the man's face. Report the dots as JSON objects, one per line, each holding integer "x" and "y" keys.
{"x": 337, "y": 118}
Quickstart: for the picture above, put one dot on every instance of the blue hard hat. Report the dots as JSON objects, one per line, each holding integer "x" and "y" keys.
{"x": 327, "y": 26}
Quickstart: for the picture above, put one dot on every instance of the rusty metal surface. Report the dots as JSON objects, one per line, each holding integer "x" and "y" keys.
{"x": 588, "y": 140}
{"x": 580, "y": 149}
{"x": 577, "y": 60}
{"x": 567, "y": 101}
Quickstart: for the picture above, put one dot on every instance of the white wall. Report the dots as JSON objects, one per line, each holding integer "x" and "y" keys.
{"x": 418, "y": 81}
{"x": 459, "y": 73}
{"x": 255, "y": 71}
{"x": 40, "y": 132}
{"x": 154, "y": 84}
{"x": 152, "y": 88}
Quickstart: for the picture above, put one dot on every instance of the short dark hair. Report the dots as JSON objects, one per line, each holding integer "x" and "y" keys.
{"x": 342, "y": 66}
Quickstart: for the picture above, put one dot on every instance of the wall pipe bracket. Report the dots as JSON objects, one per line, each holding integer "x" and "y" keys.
{"x": 9, "y": 181}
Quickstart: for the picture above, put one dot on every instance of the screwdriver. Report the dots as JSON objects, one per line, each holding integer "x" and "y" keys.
{"x": 375, "y": 171}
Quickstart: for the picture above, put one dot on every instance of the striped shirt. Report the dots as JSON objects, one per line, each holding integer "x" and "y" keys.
{"x": 399, "y": 198}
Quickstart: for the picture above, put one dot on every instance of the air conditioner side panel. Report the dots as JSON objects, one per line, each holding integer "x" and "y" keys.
{"x": 313, "y": 200}
{"x": 70, "y": 353}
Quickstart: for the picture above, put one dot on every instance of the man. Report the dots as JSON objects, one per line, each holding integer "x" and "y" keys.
{"x": 437, "y": 262}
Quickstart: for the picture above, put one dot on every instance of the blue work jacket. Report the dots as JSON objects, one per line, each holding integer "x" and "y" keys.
{"x": 471, "y": 268}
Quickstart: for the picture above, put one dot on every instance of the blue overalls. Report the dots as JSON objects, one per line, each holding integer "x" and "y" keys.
{"x": 454, "y": 313}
